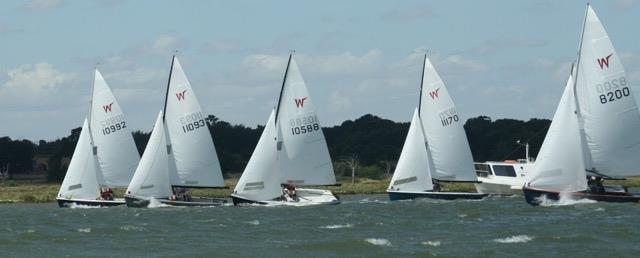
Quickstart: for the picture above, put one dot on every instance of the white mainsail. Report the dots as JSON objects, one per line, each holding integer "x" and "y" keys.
{"x": 262, "y": 177}
{"x": 607, "y": 104}
{"x": 153, "y": 177}
{"x": 443, "y": 126}
{"x": 560, "y": 162}
{"x": 117, "y": 152}
{"x": 413, "y": 171}
{"x": 304, "y": 156}
{"x": 81, "y": 180}
{"x": 195, "y": 155}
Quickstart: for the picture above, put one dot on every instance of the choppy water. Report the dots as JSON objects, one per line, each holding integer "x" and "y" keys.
{"x": 362, "y": 226}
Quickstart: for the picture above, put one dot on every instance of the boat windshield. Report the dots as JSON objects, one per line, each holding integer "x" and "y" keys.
{"x": 504, "y": 170}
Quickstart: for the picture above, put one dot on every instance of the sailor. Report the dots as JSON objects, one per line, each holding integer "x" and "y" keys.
{"x": 290, "y": 192}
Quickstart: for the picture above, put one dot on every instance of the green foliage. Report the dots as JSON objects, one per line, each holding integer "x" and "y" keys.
{"x": 376, "y": 143}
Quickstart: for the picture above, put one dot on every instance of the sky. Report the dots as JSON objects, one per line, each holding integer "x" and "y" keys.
{"x": 500, "y": 58}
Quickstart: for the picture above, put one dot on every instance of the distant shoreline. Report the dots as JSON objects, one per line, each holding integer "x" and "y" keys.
{"x": 18, "y": 192}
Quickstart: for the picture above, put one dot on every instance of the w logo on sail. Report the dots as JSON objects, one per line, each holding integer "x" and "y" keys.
{"x": 180, "y": 95}
{"x": 604, "y": 61}
{"x": 434, "y": 94}
{"x": 300, "y": 102}
{"x": 107, "y": 108}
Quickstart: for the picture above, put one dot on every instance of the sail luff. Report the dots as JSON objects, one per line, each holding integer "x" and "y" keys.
{"x": 166, "y": 96}
{"x": 284, "y": 81}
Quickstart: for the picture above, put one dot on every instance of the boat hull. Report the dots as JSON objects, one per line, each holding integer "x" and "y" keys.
{"x": 497, "y": 189}
{"x": 406, "y": 195}
{"x": 139, "y": 202}
{"x": 307, "y": 197}
{"x": 62, "y": 203}
{"x": 535, "y": 196}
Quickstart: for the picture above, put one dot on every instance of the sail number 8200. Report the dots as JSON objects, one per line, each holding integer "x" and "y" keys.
{"x": 613, "y": 90}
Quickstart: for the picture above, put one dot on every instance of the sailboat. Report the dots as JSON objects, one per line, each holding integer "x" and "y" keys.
{"x": 436, "y": 149}
{"x": 594, "y": 133}
{"x": 291, "y": 152}
{"x": 105, "y": 155}
{"x": 180, "y": 153}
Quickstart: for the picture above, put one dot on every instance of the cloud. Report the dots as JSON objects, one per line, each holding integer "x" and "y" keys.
{"x": 164, "y": 44}
{"x": 408, "y": 14}
{"x": 338, "y": 102}
{"x": 493, "y": 46}
{"x": 38, "y": 85}
{"x": 622, "y": 5}
{"x": 42, "y": 5}
{"x": 223, "y": 45}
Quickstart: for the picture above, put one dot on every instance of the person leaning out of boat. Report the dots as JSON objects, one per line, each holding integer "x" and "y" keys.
{"x": 595, "y": 184}
{"x": 106, "y": 193}
{"x": 180, "y": 194}
{"x": 289, "y": 191}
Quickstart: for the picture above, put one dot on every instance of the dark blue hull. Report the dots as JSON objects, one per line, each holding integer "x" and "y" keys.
{"x": 135, "y": 202}
{"x": 396, "y": 196}
{"x": 62, "y": 203}
{"x": 534, "y": 196}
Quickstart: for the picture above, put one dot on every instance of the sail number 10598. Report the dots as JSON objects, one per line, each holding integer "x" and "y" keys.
{"x": 303, "y": 125}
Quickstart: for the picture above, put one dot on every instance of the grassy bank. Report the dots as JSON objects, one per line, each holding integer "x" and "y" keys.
{"x": 40, "y": 193}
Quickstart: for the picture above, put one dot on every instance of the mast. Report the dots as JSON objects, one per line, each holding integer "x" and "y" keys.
{"x": 284, "y": 80}
{"x": 93, "y": 88}
{"x": 587, "y": 154}
{"x": 424, "y": 66}
{"x": 166, "y": 97}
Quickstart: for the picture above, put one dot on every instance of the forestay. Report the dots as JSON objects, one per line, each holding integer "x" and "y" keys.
{"x": 261, "y": 179}
{"x": 81, "y": 180}
{"x": 607, "y": 104}
{"x": 412, "y": 172}
{"x": 195, "y": 155}
{"x": 303, "y": 153}
{"x": 153, "y": 175}
{"x": 560, "y": 163}
{"x": 443, "y": 126}
{"x": 117, "y": 153}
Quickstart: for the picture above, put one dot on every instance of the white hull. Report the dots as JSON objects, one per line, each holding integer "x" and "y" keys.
{"x": 306, "y": 197}
{"x": 502, "y": 178}
{"x": 498, "y": 189}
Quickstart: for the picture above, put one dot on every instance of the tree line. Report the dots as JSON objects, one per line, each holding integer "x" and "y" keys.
{"x": 368, "y": 146}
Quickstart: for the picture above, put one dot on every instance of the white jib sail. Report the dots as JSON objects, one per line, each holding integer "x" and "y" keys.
{"x": 81, "y": 180}
{"x": 607, "y": 104}
{"x": 443, "y": 126}
{"x": 262, "y": 177}
{"x": 196, "y": 158}
{"x": 153, "y": 175}
{"x": 560, "y": 162}
{"x": 117, "y": 152}
{"x": 412, "y": 172}
{"x": 304, "y": 156}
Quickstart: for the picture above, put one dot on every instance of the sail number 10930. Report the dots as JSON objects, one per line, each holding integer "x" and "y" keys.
{"x": 303, "y": 125}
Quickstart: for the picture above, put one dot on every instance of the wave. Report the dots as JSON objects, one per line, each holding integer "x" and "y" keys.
{"x": 253, "y": 222}
{"x": 378, "y": 241}
{"x": 514, "y": 239}
{"x": 564, "y": 200}
{"x": 132, "y": 228}
{"x": 74, "y": 205}
{"x": 431, "y": 243}
{"x": 154, "y": 203}
{"x": 84, "y": 230}
{"x": 337, "y": 226}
